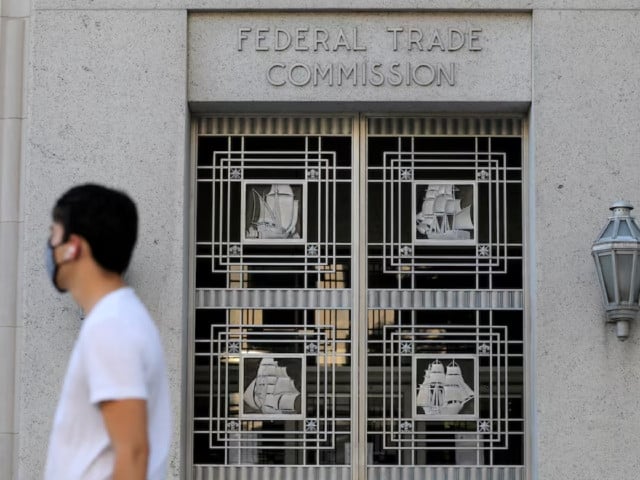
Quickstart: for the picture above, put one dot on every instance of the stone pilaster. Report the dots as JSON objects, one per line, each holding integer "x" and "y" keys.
{"x": 14, "y": 22}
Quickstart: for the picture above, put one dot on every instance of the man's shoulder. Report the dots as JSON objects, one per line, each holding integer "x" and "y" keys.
{"x": 119, "y": 311}
{"x": 124, "y": 300}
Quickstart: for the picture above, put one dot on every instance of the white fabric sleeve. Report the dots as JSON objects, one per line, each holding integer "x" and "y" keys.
{"x": 114, "y": 363}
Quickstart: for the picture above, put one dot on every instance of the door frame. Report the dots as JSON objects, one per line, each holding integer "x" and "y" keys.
{"x": 359, "y": 311}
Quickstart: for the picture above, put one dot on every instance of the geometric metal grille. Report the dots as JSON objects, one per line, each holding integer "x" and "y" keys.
{"x": 445, "y": 212}
{"x": 233, "y": 420}
{"x": 407, "y": 425}
{"x": 272, "y": 334}
{"x": 410, "y": 178}
{"x": 273, "y": 386}
{"x": 486, "y": 371}
{"x": 443, "y": 327}
{"x": 309, "y": 174}
{"x": 446, "y": 330}
{"x": 450, "y": 212}
{"x": 267, "y": 207}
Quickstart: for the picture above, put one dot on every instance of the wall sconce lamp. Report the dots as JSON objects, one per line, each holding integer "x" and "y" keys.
{"x": 616, "y": 252}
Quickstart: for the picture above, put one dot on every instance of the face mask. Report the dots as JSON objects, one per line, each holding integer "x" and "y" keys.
{"x": 52, "y": 266}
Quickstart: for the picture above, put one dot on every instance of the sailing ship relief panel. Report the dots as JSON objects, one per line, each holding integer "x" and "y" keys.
{"x": 272, "y": 334}
{"x": 445, "y": 340}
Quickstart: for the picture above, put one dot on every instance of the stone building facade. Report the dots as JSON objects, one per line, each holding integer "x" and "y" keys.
{"x": 394, "y": 199}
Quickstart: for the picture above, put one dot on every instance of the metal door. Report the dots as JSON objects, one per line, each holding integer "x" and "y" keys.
{"x": 357, "y": 298}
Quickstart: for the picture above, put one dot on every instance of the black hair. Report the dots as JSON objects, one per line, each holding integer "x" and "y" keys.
{"x": 107, "y": 219}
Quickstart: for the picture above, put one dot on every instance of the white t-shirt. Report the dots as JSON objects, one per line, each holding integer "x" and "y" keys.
{"x": 118, "y": 355}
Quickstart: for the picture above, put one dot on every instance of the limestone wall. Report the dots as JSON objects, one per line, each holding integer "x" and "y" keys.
{"x": 108, "y": 92}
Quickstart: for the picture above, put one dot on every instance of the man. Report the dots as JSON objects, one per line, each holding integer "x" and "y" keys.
{"x": 113, "y": 418}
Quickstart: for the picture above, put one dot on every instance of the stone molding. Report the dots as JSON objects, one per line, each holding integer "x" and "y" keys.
{"x": 338, "y": 5}
{"x": 14, "y": 22}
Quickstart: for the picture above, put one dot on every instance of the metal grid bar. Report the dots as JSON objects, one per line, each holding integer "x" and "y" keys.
{"x": 329, "y": 472}
{"x": 443, "y": 126}
{"x": 440, "y": 299}
{"x": 274, "y": 125}
{"x": 273, "y": 299}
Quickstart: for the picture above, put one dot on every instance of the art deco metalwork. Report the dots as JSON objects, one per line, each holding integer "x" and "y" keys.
{"x": 450, "y": 386}
{"x": 272, "y": 305}
{"x": 281, "y": 336}
{"x": 450, "y": 192}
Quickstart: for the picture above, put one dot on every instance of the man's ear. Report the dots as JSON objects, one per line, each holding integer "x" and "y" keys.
{"x": 72, "y": 248}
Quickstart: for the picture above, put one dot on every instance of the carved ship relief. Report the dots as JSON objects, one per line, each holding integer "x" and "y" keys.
{"x": 272, "y": 391}
{"x": 441, "y": 216}
{"x": 275, "y": 214}
{"x": 443, "y": 393}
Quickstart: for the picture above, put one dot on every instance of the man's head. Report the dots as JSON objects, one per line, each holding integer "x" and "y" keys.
{"x": 101, "y": 218}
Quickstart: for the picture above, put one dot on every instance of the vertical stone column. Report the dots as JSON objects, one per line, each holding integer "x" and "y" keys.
{"x": 107, "y": 88}
{"x": 587, "y": 153}
{"x": 14, "y": 20}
